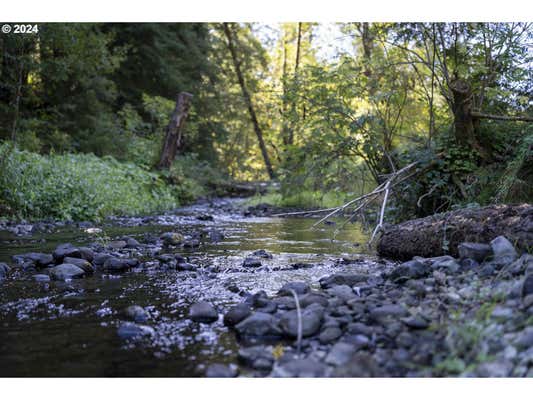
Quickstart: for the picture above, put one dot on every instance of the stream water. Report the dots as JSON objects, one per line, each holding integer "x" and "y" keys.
{"x": 70, "y": 328}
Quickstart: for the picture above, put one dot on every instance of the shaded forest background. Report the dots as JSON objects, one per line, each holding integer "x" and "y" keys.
{"x": 84, "y": 109}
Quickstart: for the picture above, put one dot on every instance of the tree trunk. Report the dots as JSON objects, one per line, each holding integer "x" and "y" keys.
{"x": 248, "y": 99}
{"x": 174, "y": 140}
{"x": 294, "y": 111}
{"x": 462, "y": 112}
{"x": 440, "y": 234}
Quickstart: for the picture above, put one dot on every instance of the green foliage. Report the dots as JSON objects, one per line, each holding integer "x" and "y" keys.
{"x": 79, "y": 187}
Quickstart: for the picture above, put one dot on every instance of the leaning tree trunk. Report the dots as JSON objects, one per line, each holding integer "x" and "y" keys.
{"x": 174, "y": 140}
{"x": 440, "y": 234}
{"x": 248, "y": 99}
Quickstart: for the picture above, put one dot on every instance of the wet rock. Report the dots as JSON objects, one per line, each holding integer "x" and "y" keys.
{"x": 527, "y": 286}
{"x": 313, "y": 298}
{"x": 222, "y": 371}
{"x": 416, "y": 322}
{"x": 191, "y": 243}
{"x": 256, "y": 357}
{"x": 329, "y": 335}
{"x": 495, "y": 369}
{"x": 360, "y": 328}
{"x": 342, "y": 279}
{"x": 469, "y": 264}
{"x": 487, "y": 270}
{"x": 4, "y": 269}
{"x": 41, "y": 278}
{"x": 216, "y": 235}
{"x": 117, "y": 244}
{"x": 40, "y": 260}
{"x": 268, "y": 307}
{"x": 340, "y": 353}
{"x": 523, "y": 265}
{"x": 299, "y": 288}
{"x": 101, "y": 258}
{"x": 66, "y": 250}
{"x": 86, "y": 253}
{"x": 390, "y": 310}
{"x": 66, "y": 271}
{"x": 524, "y": 339}
{"x": 301, "y": 266}
{"x": 128, "y": 331}
{"x": 172, "y": 238}
{"x": 312, "y": 318}
{"x": 237, "y": 314}
{"x": 502, "y": 248}
{"x": 261, "y": 254}
{"x": 251, "y": 262}
{"x": 343, "y": 292}
{"x": 413, "y": 269}
{"x": 475, "y": 251}
{"x": 80, "y": 262}
{"x": 300, "y": 368}
{"x": 115, "y": 265}
{"x": 203, "y": 312}
{"x": 360, "y": 365}
{"x": 204, "y": 217}
{"x": 136, "y": 313}
{"x": 448, "y": 264}
{"x": 185, "y": 266}
{"x": 258, "y": 325}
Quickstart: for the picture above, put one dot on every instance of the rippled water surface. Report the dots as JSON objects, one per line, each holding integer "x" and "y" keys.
{"x": 70, "y": 328}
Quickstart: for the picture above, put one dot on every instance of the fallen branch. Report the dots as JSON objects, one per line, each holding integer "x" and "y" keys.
{"x": 522, "y": 118}
{"x": 300, "y": 327}
{"x": 382, "y": 213}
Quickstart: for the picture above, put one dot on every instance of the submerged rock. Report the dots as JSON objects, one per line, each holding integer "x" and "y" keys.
{"x": 251, "y": 262}
{"x": 261, "y": 254}
{"x": 203, "y": 312}
{"x": 40, "y": 260}
{"x": 66, "y": 271}
{"x": 172, "y": 238}
{"x": 222, "y": 371}
{"x": 114, "y": 264}
{"x": 4, "y": 269}
{"x": 129, "y": 330}
{"x": 136, "y": 313}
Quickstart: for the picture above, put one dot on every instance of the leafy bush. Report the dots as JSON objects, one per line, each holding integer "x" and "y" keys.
{"x": 78, "y": 186}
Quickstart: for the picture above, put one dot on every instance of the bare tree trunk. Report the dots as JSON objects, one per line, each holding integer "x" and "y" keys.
{"x": 18, "y": 95}
{"x": 294, "y": 111}
{"x": 248, "y": 99}
{"x": 174, "y": 140}
{"x": 462, "y": 112}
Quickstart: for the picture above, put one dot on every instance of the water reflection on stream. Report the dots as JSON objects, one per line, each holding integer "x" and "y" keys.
{"x": 69, "y": 328}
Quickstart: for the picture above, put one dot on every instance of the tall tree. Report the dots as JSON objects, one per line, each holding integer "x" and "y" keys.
{"x": 232, "y": 43}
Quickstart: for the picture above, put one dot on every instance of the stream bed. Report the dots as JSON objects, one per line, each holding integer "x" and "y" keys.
{"x": 57, "y": 328}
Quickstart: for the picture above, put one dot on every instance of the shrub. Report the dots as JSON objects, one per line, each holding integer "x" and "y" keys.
{"x": 78, "y": 186}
